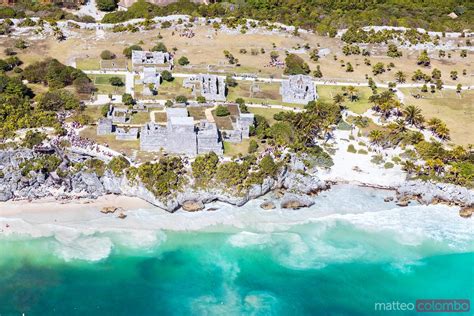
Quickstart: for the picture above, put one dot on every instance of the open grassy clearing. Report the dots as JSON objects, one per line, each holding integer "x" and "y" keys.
{"x": 88, "y": 63}
{"x": 266, "y": 113}
{"x": 140, "y": 118}
{"x": 197, "y": 112}
{"x": 457, "y": 111}
{"x": 125, "y": 147}
{"x": 160, "y": 117}
{"x": 171, "y": 89}
{"x": 326, "y": 94}
{"x": 101, "y": 82}
{"x": 236, "y": 149}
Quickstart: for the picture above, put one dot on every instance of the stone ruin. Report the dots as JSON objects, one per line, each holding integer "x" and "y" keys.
{"x": 161, "y": 61}
{"x": 240, "y": 125}
{"x": 212, "y": 87}
{"x": 148, "y": 77}
{"x": 181, "y": 135}
{"x": 104, "y": 127}
{"x": 126, "y": 133}
{"x": 298, "y": 89}
{"x": 118, "y": 115}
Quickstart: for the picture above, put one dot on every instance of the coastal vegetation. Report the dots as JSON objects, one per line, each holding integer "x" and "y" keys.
{"x": 324, "y": 17}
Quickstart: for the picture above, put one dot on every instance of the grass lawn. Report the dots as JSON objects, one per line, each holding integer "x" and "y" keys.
{"x": 101, "y": 82}
{"x": 95, "y": 112}
{"x": 222, "y": 122}
{"x": 140, "y": 118}
{"x": 170, "y": 90}
{"x": 125, "y": 147}
{"x": 326, "y": 94}
{"x": 234, "y": 149}
{"x": 160, "y": 117}
{"x": 88, "y": 63}
{"x": 197, "y": 112}
{"x": 266, "y": 113}
{"x": 457, "y": 111}
{"x": 269, "y": 94}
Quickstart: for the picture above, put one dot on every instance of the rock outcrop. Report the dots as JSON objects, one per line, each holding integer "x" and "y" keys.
{"x": 428, "y": 192}
{"x": 296, "y": 201}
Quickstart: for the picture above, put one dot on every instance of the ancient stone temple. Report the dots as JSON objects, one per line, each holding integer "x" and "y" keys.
{"x": 212, "y": 87}
{"x": 181, "y": 135}
{"x": 298, "y": 89}
{"x": 161, "y": 61}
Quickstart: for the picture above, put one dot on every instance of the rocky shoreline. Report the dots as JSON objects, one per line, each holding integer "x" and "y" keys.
{"x": 295, "y": 186}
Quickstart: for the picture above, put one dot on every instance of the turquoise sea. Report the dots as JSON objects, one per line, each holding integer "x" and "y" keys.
{"x": 343, "y": 261}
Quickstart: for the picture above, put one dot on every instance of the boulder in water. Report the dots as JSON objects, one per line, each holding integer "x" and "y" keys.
{"x": 267, "y": 205}
{"x": 192, "y": 206}
{"x": 466, "y": 212}
{"x": 295, "y": 201}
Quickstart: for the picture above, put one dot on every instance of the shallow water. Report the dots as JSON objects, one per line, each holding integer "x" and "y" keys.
{"x": 340, "y": 257}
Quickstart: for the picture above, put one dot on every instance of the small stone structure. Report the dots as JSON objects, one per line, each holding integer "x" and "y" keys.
{"x": 126, "y": 134}
{"x": 212, "y": 87}
{"x": 208, "y": 138}
{"x": 298, "y": 89}
{"x": 161, "y": 61}
{"x": 149, "y": 77}
{"x": 118, "y": 115}
{"x": 241, "y": 123}
{"x": 104, "y": 126}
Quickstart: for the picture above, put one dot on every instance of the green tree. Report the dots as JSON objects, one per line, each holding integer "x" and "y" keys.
{"x": 127, "y": 52}
{"x": 127, "y": 99}
{"x": 107, "y": 55}
{"x": 116, "y": 81}
{"x": 181, "y": 99}
{"x": 106, "y": 5}
{"x": 167, "y": 76}
{"x": 295, "y": 65}
{"x": 253, "y": 146}
{"x": 159, "y": 47}
{"x": 183, "y": 61}
{"x": 423, "y": 59}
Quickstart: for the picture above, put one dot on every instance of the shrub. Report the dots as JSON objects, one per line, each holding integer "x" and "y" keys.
{"x": 362, "y": 152}
{"x": 159, "y": 47}
{"x": 388, "y": 165}
{"x": 166, "y": 75}
{"x": 127, "y": 99}
{"x": 204, "y": 168}
{"x": 118, "y": 164}
{"x": 33, "y": 138}
{"x": 351, "y": 149}
{"x": 183, "y": 61}
{"x": 107, "y": 55}
{"x": 127, "y": 52}
{"x": 222, "y": 110}
{"x": 201, "y": 99}
{"x": 181, "y": 99}
{"x": 295, "y": 65}
{"x": 253, "y": 146}
{"x": 106, "y": 5}
{"x": 116, "y": 81}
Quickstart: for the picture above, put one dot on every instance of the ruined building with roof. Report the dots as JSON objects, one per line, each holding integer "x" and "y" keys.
{"x": 298, "y": 89}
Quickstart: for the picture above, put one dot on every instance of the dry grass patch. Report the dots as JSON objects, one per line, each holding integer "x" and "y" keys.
{"x": 457, "y": 111}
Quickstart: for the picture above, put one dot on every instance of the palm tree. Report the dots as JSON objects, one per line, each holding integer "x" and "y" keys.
{"x": 397, "y": 127}
{"x": 352, "y": 92}
{"x": 413, "y": 115}
{"x": 338, "y": 98}
{"x": 376, "y": 136}
{"x": 400, "y": 77}
{"x": 409, "y": 166}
